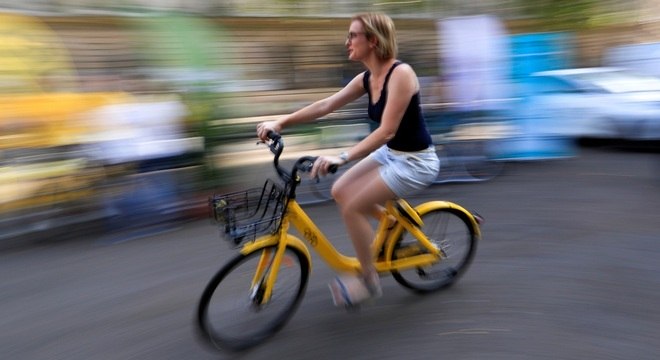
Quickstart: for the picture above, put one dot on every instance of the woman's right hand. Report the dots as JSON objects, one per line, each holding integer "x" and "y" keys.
{"x": 265, "y": 127}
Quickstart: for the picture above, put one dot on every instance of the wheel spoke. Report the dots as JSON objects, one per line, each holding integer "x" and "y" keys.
{"x": 231, "y": 319}
{"x": 452, "y": 232}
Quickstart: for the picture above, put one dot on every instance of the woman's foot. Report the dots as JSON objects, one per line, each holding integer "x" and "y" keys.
{"x": 349, "y": 291}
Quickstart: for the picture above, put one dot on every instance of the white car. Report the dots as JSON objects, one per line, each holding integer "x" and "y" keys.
{"x": 597, "y": 103}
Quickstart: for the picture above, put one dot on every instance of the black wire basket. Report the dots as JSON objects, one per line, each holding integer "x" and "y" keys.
{"x": 245, "y": 215}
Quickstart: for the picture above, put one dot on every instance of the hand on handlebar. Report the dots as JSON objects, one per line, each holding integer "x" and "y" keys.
{"x": 324, "y": 165}
{"x": 265, "y": 127}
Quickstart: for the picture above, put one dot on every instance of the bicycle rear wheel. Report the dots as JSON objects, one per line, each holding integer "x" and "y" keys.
{"x": 230, "y": 314}
{"x": 452, "y": 231}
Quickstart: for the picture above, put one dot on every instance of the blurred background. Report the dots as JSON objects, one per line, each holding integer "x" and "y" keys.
{"x": 138, "y": 109}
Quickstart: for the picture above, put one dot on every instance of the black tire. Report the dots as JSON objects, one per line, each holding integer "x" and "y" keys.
{"x": 228, "y": 316}
{"x": 484, "y": 169}
{"x": 466, "y": 161}
{"x": 455, "y": 234}
{"x": 481, "y": 165}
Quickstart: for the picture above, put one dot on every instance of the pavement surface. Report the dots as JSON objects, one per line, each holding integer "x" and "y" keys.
{"x": 567, "y": 269}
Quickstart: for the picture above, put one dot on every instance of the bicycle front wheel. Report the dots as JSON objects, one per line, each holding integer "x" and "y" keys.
{"x": 450, "y": 230}
{"x": 233, "y": 315}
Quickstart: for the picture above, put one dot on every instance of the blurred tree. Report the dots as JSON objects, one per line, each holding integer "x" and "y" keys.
{"x": 188, "y": 53}
{"x": 567, "y": 15}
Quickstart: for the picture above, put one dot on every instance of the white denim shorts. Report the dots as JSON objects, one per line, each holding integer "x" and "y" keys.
{"x": 407, "y": 173}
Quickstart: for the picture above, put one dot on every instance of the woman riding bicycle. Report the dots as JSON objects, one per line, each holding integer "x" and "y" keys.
{"x": 398, "y": 157}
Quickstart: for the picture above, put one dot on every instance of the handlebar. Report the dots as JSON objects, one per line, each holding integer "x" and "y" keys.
{"x": 304, "y": 164}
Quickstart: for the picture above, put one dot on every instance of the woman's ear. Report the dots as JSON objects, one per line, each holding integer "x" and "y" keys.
{"x": 373, "y": 42}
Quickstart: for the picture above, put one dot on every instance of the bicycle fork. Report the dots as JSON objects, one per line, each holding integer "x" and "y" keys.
{"x": 263, "y": 281}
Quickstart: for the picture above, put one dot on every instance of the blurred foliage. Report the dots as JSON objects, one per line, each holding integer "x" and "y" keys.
{"x": 568, "y": 15}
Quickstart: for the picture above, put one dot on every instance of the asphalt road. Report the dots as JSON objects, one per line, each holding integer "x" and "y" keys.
{"x": 568, "y": 268}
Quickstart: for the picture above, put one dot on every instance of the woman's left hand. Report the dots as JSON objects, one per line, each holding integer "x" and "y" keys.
{"x": 322, "y": 165}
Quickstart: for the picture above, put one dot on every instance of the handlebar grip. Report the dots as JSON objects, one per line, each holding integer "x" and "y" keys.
{"x": 276, "y": 145}
{"x": 305, "y": 164}
{"x": 273, "y": 135}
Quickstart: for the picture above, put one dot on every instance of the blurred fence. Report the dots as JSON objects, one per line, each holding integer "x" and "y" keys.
{"x": 314, "y": 47}
{"x": 229, "y": 72}
{"x": 266, "y": 66}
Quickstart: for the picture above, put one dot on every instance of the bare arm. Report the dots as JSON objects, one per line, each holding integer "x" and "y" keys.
{"x": 349, "y": 93}
{"x": 402, "y": 86}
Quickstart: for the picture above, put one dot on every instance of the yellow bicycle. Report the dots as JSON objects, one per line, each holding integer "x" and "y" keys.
{"x": 253, "y": 295}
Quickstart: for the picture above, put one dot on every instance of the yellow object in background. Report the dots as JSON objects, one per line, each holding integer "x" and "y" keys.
{"x": 41, "y": 114}
{"x": 39, "y": 103}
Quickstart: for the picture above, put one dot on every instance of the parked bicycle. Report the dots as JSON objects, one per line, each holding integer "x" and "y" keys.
{"x": 253, "y": 295}
{"x": 467, "y": 153}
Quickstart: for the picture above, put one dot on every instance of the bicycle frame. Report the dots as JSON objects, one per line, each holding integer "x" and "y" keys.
{"x": 383, "y": 245}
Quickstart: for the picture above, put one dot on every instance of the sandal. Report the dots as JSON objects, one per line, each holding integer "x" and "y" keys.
{"x": 350, "y": 291}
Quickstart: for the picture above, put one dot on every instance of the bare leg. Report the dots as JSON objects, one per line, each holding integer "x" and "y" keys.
{"x": 352, "y": 182}
{"x": 360, "y": 194}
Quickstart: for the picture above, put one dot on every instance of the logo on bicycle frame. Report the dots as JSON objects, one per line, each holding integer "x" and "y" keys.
{"x": 311, "y": 237}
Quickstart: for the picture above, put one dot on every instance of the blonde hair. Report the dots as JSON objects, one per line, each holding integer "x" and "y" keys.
{"x": 380, "y": 27}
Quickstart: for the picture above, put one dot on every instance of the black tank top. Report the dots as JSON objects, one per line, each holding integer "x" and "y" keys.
{"x": 412, "y": 134}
